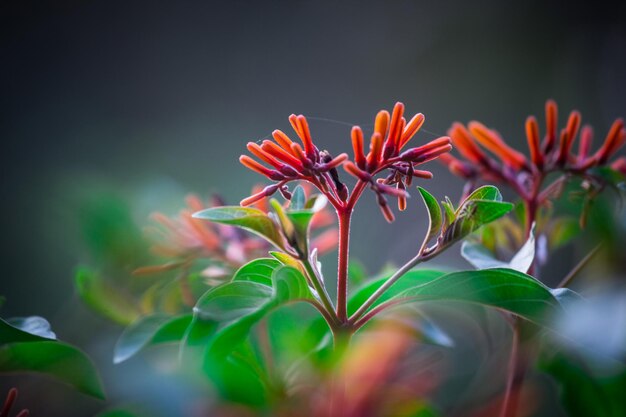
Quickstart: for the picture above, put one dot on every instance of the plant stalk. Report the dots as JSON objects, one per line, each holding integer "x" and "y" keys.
{"x": 342, "y": 268}
{"x": 321, "y": 291}
{"x": 508, "y": 405}
{"x": 580, "y": 266}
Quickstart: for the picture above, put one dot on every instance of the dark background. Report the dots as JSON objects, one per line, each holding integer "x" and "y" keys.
{"x": 151, "y": 100}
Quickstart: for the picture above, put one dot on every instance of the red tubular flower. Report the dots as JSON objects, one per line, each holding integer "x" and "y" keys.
{"x": 492, "y": 141}
{"x": 290, "y": 161}
{"x": 391, "y": 134}
{"x": 550, "y": 156}
{"x": 614, "y": 140}
{"x": 551, "y": 125}
{"x": 184, "y": 239}
{"x": 532, "y": 134}
{"x": 295, "y": 162}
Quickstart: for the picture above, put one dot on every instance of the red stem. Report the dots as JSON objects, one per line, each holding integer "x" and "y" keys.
{"x": 508, "y": 405}
{"x": 345, "y": 215}
{"x": 342, "y": 269}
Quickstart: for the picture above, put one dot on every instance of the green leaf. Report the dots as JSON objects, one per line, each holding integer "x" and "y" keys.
{"x": 298, "y": 199}
{"x": 482, "y": 258}
{"x": 582, "y": 393}
{"x": 106, "y": 299}
{"x": 241, "y": 378}
{"x": 150, "y": 331}
{"x": 434, "y": 214}
{"x": 236, "y": 306}
{"x": 562, "y": 231}
{"x": 568, "y": 299}
{"x": 448, "y": 210}
{"x": 259, "y": 271}
{"x": 247, "y": 218}
{"x": 357, "y": 274}
{"x": 286, "y": 259}
{"x": 486, "y": 192}
{"x": 20, "y": 330}
{"x": 408, "y": 280}
{"x": 504, "y": 289}
{"x": 300, "y": 220}
{"x": 471, "y": 215}
{"x": 59, "y": 360}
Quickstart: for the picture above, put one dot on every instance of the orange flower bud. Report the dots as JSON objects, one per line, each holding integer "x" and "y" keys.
{"x": 395, "y": 128}
{"x": 357, "y": 146}
{"x": 573, "y": 123}
{"x": 586, "y": 139}
{"x": 278, "y": 152}
{"x": 492, "y": 141}
{"x": 376, "y": 147}
{"x": 355, "y": 171}
{"x": 614, "y": 140}
{"x": 255, "y": 166}
{"x": 411, "y": 129}
{"x": 282, "y": 139}
{"x": 401, "y": 198}
{"x": 309, "y": 148}
{"x": 463, "y": 141}
{"x": 532, "y": 135}
{"x": 381, "y": 123}
{"x": 262, "y": 155}
{"x": 551, "y": 125}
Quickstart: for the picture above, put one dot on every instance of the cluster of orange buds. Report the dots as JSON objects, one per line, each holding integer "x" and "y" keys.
{"x": 552, "y": 154}
{"x": 184, "y": 239}
{"x": 291, "y": 161}
{"x": 391, "y": 135}
{"x": 8, "y": 405}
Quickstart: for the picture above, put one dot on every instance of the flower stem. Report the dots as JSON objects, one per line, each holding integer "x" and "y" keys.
{"x": 342, "y": 268}
{"x": 508, "y": 406}
{"x": 321, "y": 291}
{"x": 581, "y": 265}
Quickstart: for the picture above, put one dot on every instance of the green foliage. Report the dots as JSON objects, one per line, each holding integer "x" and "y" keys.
{"x": 106, "y": 299}
{"x": 481, "y": 207}
{"x": 21, "y": 351}
{"x": 110, "y": 232}
{"x": 435, "y": 218}
{"x": 582, "y": 392}
{"x": 407, "y": 281}
{"x": 149, "y": 331}
{"x": 12, "y": 331}
{"x": 504, "y": 289}
{"x": 259, "y": 270}
{"x": 482, "y": 258}
{"x": 236, "y": 306}
{"x": 247, "y": 218}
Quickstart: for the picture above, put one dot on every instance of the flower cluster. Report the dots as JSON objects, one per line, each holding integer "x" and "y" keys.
{"x": 184, "y": 239}
{"x": 391, "y": 134}
{"x": 291, "y": 161}
{"x": 552, "y": 154}
{"x": 294, "y": 162}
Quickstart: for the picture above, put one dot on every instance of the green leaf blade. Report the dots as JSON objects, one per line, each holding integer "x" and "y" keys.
{"x": 504, "y": 289}
{"x": 148, "y": 331}
{"x": 434, "y": 214}
{"x": 251, "y": 219}
{"x": 59, "y": 360}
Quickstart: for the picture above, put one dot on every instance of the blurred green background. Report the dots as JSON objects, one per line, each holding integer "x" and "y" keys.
{"x": 147, "y": 101}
